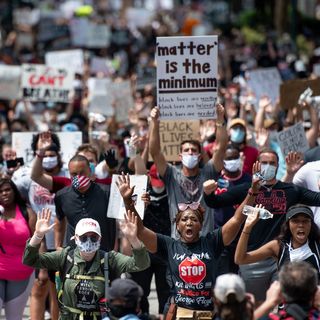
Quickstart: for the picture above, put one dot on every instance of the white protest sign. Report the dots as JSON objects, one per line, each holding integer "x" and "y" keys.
{"x": 70, "y": 59}
{"x": 293, "y": 139}
{"x": 122, "y": 95}
{"x": 98, "y": 35}
{"x": 316, "y": 69}
{"x": 138, "y": 17}
{"x": 42, "y": 83}
{"x": 70, "y": 141}
{"x": 100, "y": 96}
{"x": 265, "y": 81}
{"x": 26, "y": 16}
{"x": 116, "y": 208}
{"x": 10, "y": 81}
{"x": 187, "y": 77}
{"x": 102, "y": 65}
{"x": 86, "y": 33}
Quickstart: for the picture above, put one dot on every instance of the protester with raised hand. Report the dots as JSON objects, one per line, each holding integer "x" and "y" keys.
{"x": 86, "y": 269}
{"x": 277, "y": 197}
{"x": 185, "y": 184}
{"x": 299, "y": 240}
{"x": 190, "y": 252}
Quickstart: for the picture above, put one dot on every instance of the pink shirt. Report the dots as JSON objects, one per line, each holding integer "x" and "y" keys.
{"x": 13, "y": 236}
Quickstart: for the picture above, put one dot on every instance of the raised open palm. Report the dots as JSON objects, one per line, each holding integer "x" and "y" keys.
{"x": 43, "y": 222}
{"x": 123, "y": 184}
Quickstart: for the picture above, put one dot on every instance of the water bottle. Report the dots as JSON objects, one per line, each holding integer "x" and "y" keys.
{"x": 57, "y": 281}
{"x": 132, "y": 149}
{"x": 263, "y": 213}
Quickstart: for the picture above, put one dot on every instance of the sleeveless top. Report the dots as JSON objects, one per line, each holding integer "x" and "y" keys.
{"x": 313, "y": 258}
{"x": 13, "y": 236}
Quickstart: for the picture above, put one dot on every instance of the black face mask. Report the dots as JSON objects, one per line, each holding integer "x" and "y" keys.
{"x": 119, "y": 311}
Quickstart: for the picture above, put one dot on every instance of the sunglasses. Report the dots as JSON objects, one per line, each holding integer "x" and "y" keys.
{"x": 185, "y": 206}
{"x": 84, "y": 238}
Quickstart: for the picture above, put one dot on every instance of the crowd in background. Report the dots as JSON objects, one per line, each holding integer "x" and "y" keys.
{"x": 218, "y": 172}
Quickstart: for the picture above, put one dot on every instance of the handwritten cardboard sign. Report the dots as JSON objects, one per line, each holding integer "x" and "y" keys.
{"x": 42, "y": 83}
{"x": 116, "y": 208}
{"x": 293, "y": 139}
{"x": 10, "y": 81}
{"x": 187, "y": 77}
{"x": 265, "y": 81}
{"x": 291, "y": 90}
{"x": 172, "y": 133}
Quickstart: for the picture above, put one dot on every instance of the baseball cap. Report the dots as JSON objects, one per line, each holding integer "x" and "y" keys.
{"x": 235, "y": 121}
{"x": 87, "y": 225}
{"x": 154, "y": 177}
{"x": 299, "y": 209}
{"x": 227, "y": 284}
{"x": 125, "y": 289}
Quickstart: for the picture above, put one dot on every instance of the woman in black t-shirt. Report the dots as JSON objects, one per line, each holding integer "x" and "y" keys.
{"x": 192, "y": 259}
{"x": 299, "y": 240}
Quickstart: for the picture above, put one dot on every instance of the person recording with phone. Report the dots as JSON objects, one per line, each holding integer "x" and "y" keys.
{"x": 276, "y": 196}
{"x": 10, "y": 162}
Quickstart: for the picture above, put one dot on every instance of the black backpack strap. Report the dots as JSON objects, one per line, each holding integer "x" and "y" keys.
{"x": 296, "y": 312}
{"x": 106, "y": 272}
{"x": 68, "y": 263}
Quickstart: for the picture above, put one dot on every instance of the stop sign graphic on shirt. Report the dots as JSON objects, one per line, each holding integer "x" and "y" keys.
{"x": 192, "y": 270}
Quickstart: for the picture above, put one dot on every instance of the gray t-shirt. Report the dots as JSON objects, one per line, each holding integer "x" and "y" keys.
{"x": 184, "y": 189}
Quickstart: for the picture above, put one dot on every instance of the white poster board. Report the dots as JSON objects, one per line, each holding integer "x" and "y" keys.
{"x": 265, "y": 81}
{"x": 10, "y": 82}
{"x": 89, "y": 34}
{"x": 316, "y": 69}
{"x": 116, "y": 208}
{"x": 187, "y": 77}
{"x": 293, "y": 139}
{"x": 122, "y": 96}
{"x": 100, "y": 96}
{"x": 70, "y": 141}
{"x": 102, "y": 65}
{"x": 70, "y": 59}
{"x": 42, "y": 83}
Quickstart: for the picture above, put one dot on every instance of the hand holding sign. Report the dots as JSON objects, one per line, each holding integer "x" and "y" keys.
{"x": 123, "y": 185}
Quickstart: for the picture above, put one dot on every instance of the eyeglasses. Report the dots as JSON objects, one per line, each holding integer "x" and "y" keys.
{"x": 93, "y": 238}
{"x": 185, "y": 206}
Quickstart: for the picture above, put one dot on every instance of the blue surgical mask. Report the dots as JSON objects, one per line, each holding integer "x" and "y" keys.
{"x": 237, "y": 135}
{"x": 268, "y": 171}
{"x": 92, "y": 168}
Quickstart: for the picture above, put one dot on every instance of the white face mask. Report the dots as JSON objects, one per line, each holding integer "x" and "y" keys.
{"x": 190, "y": 160}
{"x": 268, "y": 171}
{"x": 49, "y": 162}
{"x": 232, "y": 165}
{"x": 87, "y": 246}
{"x": 158, "y": 189}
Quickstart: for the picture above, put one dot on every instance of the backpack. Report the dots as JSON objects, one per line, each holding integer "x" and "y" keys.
{"x": 295, "y": 312}
{"x": 68, "y": 264}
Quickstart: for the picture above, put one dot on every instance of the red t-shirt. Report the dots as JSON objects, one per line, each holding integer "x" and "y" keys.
{"x": 250, "y": 157}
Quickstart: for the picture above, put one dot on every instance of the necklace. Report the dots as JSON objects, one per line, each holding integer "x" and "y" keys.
{"x": 270, "y": 187}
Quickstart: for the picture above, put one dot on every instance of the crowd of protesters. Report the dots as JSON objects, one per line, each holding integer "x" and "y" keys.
{"x": 209, "y": 260}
